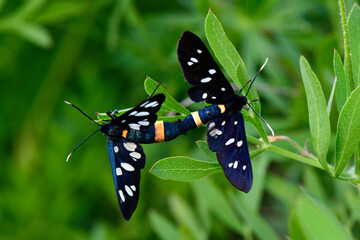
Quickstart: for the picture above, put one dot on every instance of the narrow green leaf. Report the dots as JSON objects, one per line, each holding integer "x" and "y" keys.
{"x": 34, "y": 33}
{"x": 223, "y": 49}
{"x": 261, "y": 228}
{"x": 217, "y": 204}
{"x": 58, "y": 11}
{"x": 348, "y": 131}
{"x": 354, "y": 42}
{"x": 184, "y": 215}
{"x": 318, "y": 117}
{"x": 317, "y": 221}
{"x": 183, "y": 169}
{"x": 163, "y": 228}
{"x": 170, "y": 103}
{"x": 342, "y": 90}
{"x": 295, "y": 230}
{"x": 205, "y": 149}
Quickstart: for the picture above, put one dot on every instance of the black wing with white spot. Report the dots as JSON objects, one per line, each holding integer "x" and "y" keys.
{"x": 143, "y": 115}
{"x": 200, "y": 70}
{"x": 227, "y": 137}
{"x": 126, "y": 159}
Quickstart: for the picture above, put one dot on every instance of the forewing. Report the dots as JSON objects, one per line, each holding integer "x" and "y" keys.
{"x": 200, "y": 70}
{"x": 233, "y": 154}
{"x": 126, "y": 159}
{"x": 143, "y": 115}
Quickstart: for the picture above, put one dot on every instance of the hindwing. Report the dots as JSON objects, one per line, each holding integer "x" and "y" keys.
{"x": 232, "y": 150}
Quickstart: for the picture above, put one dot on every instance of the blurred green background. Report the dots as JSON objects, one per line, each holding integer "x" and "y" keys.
{"x": 96, "y": 54}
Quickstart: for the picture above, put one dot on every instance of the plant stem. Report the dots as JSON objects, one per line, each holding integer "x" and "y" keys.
{"x": 346, "y": 43}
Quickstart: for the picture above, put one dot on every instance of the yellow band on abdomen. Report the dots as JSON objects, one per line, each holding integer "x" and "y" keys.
{"x": 159, "y": 131}
{"x": 222, "y": 108}
{"x": 197, "y": 119}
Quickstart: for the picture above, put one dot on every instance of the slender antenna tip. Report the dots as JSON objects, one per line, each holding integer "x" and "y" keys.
{"x": 67, "y": 159}
{"x": 264, "y": 64}
{"x": 68, "y": 102}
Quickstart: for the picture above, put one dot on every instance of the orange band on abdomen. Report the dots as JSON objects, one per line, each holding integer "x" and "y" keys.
{"x": 124, "y": 133}
{"x": 159, "y": 131}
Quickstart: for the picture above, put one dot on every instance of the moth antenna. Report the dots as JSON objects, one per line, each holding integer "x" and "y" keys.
{"x": 268, "y": 125}
{"x": 69, "y": 103}
{"x": 244, "y": 86}
{"x": 154, "y": 90}
{"x": 256, "y": 76}
{"x": 67, "y": 159}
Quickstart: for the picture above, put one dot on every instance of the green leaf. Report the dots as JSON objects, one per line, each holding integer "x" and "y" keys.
{"x": 348, "y": 131}
{"x": 316, "y": 221}
{"x": 342, "y": 90}
{"x": 183, "y": 169}
{"x": 261, "y": 228}
{"x": 34, "y": 33}
{"x": 217, "y": 204}
{"x": 354, "y": 42}
{"x": 318, "y": 116}
{"x": 223, "y": 49}
{"x": 58, "y": 11}
{"x": 170, "y": 103}
{"x": 295, "y": 230}
{"x": 184, "y": 215}
{"x": 205, "y": 149}
{"x": 163, "y": 228}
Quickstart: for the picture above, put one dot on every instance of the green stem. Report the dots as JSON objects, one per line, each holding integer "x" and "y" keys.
{"x": 294, "y": 156}
{"x": 346, "y": 43}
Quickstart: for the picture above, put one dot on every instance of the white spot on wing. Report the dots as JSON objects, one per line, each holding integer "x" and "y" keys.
{"x": 223, "y": 89}
{"x": 199, "y": 51}
{"x": 116, "y": 149}
{"x": 211, "y": 125}
{"x": 118, "y": 171}
{"x": 235, "y": 164}
{"x": 127, "y": 167}
{"x": 244, "y": 167}
{"x": 144, "y": 123}
{"x": 128, "y": 190}
{"x": 212, "y": 71}
{"x": 205, "y": 80}
{"x": 204, "y": 96}
{"x": 235, "y": 123}
{"x": 140, "y": 114}
{"x": 135, "y": 155}
{"x": 134, "y": 126}
{"x": 239, "y": 143}
{"x": 223, "y": 123}
{"x": 122, "y": 197}
{"x": 230, "y": 141}
{"x": 133, "y": 187}
{"x": 132, "y": 113}
{"x": 218, "y": 132}
{"x": 130, "y": 146}
{"x": 213, "y": 97}
{"x": 231, "y": 164}
{"x": 152, "y": 104}
{"x": 194, "y": 60}
{"x": 190, "y": 63}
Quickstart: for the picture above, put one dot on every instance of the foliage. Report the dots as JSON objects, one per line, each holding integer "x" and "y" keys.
{"x": 97, "y": 54}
